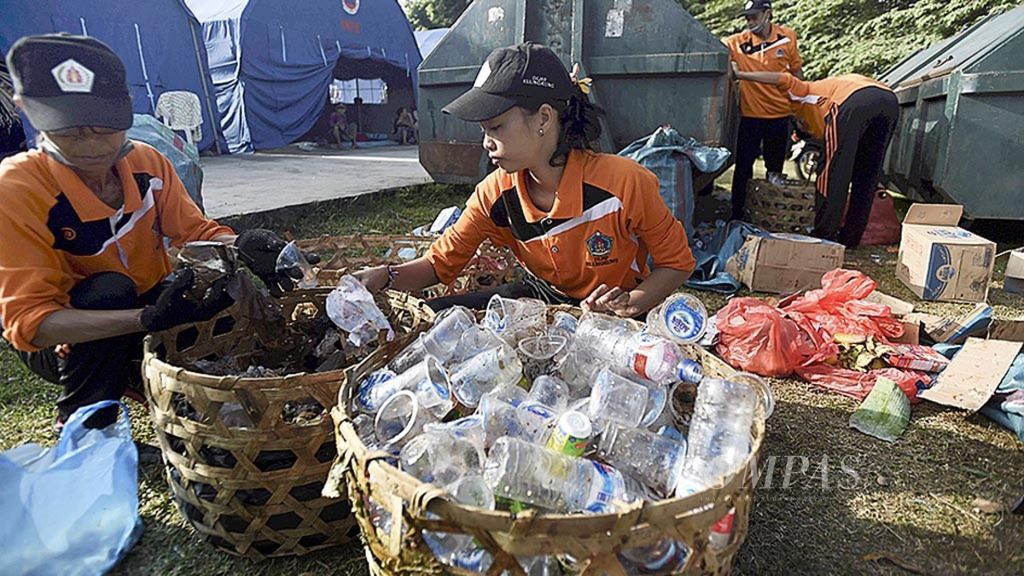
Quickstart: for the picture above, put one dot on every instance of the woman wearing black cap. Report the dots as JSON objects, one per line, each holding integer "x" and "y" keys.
{"x": 581, "y": 223}
{"x": 82, "y": 258}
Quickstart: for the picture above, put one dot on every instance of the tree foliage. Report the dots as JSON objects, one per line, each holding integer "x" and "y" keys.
{"x": 428, "y": 14}
{"x": 863, "y": 36}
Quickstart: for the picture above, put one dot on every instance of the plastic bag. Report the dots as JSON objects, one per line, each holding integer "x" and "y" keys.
{"x": 858, "y": 384}
{"x": 74, "y": 508}
{"x": 182, "y": 155}
{"x": 756, "y": 337}
{"x": 838, "y": 308}
{"x": 351, "y": 307}
{"x": 883, "y": 224}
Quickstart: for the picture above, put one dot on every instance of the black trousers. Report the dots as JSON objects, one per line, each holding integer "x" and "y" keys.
{"x": 101, "y": 369}
{"x": 768, "y": 137}
{"x": 856, "y": 136}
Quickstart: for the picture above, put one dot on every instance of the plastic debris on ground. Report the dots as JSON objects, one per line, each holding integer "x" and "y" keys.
{"x": 884, "y": 413}
{"x": 521, "y": 411}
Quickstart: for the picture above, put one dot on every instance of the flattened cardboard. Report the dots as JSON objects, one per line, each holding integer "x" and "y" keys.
{"x": 1011, "y": 330}
{"x": 1013, "y": 282}
{"x": 939, "y": 261}
{"x": 973, "y": 375}
{"x": 784, "y": 263}
{"x": 900, "y": 308}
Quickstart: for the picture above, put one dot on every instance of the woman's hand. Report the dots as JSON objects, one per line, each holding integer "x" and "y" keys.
{"x": 610, "y": 300}
{"x": 374, "y": 279}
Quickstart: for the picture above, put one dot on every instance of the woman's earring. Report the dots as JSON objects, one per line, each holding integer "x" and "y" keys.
{"x": 541, "y": 131}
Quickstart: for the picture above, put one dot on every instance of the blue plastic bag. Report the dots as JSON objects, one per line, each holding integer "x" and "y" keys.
{"x": 183, "y": 156}
{"x": 74, "y": 508}
{"x": 670, "y": 156}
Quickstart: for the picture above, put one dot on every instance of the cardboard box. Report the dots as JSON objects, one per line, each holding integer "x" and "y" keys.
{"x": 784, "y": 263}
{"x": 973, "y": 375}
{"x": 1014, "y": 280}
{"x": 940, "y": 261}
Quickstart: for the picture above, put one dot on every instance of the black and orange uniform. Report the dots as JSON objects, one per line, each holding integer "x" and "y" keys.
{"x": 764, "y": 109}
{"x": 860, "y": 114}
{"x": 61, "y": 247}
{"x": 607, "y": 218}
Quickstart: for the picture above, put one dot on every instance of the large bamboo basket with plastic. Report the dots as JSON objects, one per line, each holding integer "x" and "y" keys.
{"x": 450, "y": 525}
{"x": 247, "y": 454}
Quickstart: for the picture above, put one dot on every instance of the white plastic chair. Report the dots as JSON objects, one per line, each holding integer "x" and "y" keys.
{"x": 180, "y": 110}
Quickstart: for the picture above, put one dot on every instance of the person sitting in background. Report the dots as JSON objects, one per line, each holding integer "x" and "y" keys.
{"x": 860, "y": 114}
{"x": 581, "y": 223}
{"x": 341, "y": 128}
{"x": 83, "y": 268}
{"x": 405, "y": 126}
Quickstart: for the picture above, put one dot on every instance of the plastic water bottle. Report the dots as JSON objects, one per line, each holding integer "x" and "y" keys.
{"x": 681, "y": 318}
{"x": 655, "y": 460}
{"x": 532, "y": 474}
{"x": 460, "y": 550}
{"x": 649, "y": 356}
{"x": 664, "y": 557}
{"x": 719, "y": 441}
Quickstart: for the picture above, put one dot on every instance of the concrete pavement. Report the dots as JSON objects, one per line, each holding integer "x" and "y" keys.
{"x": 246, "y": 184}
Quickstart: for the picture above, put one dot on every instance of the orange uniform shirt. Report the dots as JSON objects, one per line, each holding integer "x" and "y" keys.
{"x": 828, "y": 92}
{"x": 811, "y": 118}
{"x": 779, "y": 53}
{"x": 606, "y": 219}
{"x": 54, "y": 232}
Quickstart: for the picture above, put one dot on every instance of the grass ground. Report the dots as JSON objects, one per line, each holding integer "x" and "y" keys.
{"x": 829, "y": 497}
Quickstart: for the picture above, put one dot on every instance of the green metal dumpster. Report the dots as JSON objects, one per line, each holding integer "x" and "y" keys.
{"x": 960, "y": 136}
{"x": 652, "y": 64}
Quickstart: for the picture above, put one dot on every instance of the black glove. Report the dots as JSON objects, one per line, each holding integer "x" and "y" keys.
{"x": 259, "y": 250}
{"x": 174, "y": 307}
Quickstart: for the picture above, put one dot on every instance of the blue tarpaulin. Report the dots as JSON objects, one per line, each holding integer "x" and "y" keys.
{"x": 273, "y": 60}
{"x": 159, "y": 41}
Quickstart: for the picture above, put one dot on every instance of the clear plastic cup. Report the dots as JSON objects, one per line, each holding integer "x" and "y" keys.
{"x": 484, "y": 372}
{"x": 549, "y": 391}
{"x": 292, "y": 258}
{"x": 399, "y": 420}
{"x": 473, "y": 341}
{"x": 617, "y": 399}
{"x": 540, "y": 354}
{"x": 514, "y": 319}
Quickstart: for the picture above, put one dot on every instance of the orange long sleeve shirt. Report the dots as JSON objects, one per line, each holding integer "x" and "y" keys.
{"x": 54, "y": 231}
{"x": 607, "y": 217}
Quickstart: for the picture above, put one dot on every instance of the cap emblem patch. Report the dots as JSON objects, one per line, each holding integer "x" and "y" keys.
{"x": 72, "y": 76}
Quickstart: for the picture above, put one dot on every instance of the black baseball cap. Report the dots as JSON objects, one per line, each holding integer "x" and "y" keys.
{"x": 754, "y": 6}
{"x": 68, "y": 81}
{"x": 528, "y": 73}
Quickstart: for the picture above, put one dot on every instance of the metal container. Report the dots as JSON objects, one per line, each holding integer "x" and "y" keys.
{"x": 652, "y": 64}
{"x": 961, "y": 119}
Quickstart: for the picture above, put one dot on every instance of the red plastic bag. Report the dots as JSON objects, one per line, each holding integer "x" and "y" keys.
{"x": 838, "y": 308}
{"x": 756, "y": 337}
{"x": 858, "y": 384}
{"x": 883, "y": 223}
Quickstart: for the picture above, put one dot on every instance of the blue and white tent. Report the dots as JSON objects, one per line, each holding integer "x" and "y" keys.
{"x": 160, "y": 42}
{"x": 272, "y": 61}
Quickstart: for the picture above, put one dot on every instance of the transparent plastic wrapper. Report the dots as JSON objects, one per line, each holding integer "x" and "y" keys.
{"x": 292, "y": 262}
{"x": 210, "y": 261}
{"x": 351, "y": 307}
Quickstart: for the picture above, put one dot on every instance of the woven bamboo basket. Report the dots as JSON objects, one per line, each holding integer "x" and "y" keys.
{"x": 785, "y": 208}
{"x": 490, "y": 267}
{"x": 253, "y": 490}
{"x": 594, "y": 540}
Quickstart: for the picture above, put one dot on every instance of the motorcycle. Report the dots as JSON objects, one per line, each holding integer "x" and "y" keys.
{"x": 807, "y": 153}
